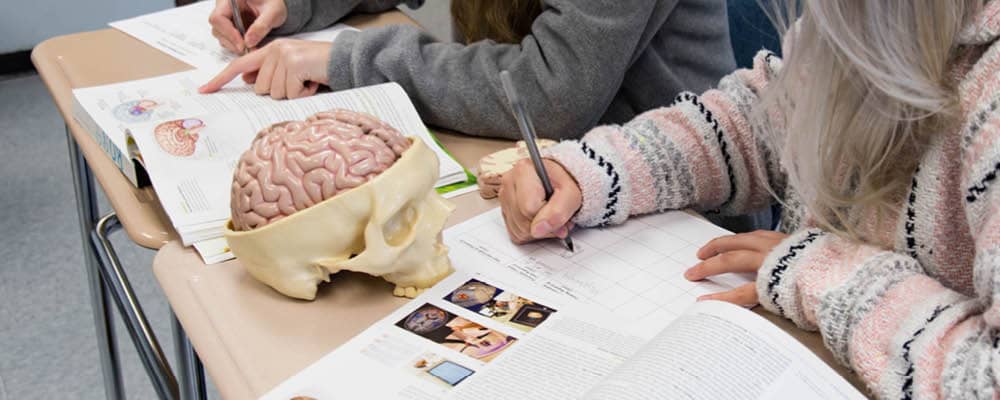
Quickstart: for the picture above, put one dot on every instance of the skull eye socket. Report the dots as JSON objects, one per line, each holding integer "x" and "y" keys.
{"x": 398, "y": 230}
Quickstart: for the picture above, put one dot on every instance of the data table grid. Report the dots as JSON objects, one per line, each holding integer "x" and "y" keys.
{"x": 634, "y": 270}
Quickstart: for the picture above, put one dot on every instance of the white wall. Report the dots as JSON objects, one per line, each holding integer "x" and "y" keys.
{"x": 435, "y": 16}
{"x": 25, "y": 23}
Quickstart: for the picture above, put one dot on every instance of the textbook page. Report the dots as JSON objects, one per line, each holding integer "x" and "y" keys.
{"x": 109, "y": 110}
{"x": 115, "y": 108}
{"x": 470, "y": 336}
{"x": 190, "y": 160}
{"x": 635, "y": 269}
{"x": 718, "y": 351}
{"x": 184, "y": 33}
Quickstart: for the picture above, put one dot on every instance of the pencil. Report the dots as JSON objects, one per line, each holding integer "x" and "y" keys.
{"x": 528, "y": 133}
{"x": 238, "y": 21}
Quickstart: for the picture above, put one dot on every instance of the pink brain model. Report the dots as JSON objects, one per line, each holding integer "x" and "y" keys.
{"x": 294, "y": 165}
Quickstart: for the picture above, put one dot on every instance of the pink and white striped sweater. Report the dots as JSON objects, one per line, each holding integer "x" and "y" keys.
{"x": 919, "y": 320}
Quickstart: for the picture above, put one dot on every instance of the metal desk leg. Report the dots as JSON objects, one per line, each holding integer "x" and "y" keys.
{"x": 128, "y": 305}
{"x": 86, "y": 202}
{"x": 192, "y": 374}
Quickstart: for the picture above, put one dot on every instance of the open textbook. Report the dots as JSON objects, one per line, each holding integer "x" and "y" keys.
{"x": 613, "y": 321}
{"x": 185, "y": 34}
{"x": 138, "y": 122}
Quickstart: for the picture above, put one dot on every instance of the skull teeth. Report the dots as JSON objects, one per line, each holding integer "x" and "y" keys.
{"x": 409, "y": 292}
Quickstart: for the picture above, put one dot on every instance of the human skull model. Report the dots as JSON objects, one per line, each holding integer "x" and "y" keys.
{"x": 338, "y": 191}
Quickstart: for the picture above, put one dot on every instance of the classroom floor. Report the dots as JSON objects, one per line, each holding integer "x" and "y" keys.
{"x": 47, "y": 343}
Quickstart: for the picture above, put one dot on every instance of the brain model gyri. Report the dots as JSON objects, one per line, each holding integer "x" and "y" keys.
{"x": 295, "y": 165}
{"x": 339, "y": 191}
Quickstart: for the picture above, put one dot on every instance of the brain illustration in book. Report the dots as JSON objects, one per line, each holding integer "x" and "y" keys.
{"x": 179, "y": 138}
{"x": 134, "y": 111}
{"x": 338, "y": 191}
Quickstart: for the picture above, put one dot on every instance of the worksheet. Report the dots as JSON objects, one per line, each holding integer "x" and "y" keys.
{"x": 185, "y": 34}
{"x": 634, "y": 269}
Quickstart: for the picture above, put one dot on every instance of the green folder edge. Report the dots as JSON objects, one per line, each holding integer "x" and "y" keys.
{"x": 470, "y": 179}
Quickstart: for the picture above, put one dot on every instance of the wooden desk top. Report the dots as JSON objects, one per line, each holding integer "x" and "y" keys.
{"x": 96, "y": 58}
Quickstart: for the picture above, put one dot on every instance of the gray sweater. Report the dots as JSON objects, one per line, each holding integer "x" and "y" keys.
{"x": 585, "y": 62}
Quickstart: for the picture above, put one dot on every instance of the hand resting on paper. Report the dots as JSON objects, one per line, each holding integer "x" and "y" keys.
{"x": 522, "y": 200}
{"x": 744, "y": 252}
{"x": 284, "y": 68}
{"x": 261, "y": 16}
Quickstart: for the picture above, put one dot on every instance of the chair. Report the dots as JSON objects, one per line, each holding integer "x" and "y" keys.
{"x": 750, "y": 30}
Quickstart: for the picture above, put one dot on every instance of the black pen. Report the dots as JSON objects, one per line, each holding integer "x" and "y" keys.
{"x": 528, "y": 133}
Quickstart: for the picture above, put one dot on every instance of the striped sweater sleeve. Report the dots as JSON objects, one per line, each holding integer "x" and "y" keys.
{"x": 701, "y": 152}
{"x": 884, "y": 315}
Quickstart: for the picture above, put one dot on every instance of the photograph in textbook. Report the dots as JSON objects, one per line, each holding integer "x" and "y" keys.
{"x": 499, "y": 305}
{"x": 456, "y": 333}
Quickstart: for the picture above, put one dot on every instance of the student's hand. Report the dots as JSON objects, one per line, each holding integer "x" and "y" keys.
{"x": 259, "y": 17}
{"x": 284, "y": 68}
{"x": 743, "y": 252}
{"x": 522, "y": 199}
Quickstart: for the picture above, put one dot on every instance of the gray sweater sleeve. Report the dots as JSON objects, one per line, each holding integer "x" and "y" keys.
{"x": 567, "y": 71}
{"x": 310, "y": 15}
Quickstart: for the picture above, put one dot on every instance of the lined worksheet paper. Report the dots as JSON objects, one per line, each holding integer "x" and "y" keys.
{"x": 635, "y": 270}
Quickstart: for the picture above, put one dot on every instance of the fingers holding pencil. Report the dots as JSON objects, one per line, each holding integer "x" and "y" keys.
{"x": 262, "y": 16}
{"x": 527, "y": 214}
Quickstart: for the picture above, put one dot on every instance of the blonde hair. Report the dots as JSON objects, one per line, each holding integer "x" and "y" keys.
{"x": 503, "y": 21}
{"x": 863, "y": 87}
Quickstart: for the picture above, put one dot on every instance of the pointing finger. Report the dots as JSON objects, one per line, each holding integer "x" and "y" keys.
{"x": 248, "y": 63}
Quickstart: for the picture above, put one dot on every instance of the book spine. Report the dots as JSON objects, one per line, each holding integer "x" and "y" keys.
{"x": 122, "y": 161}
